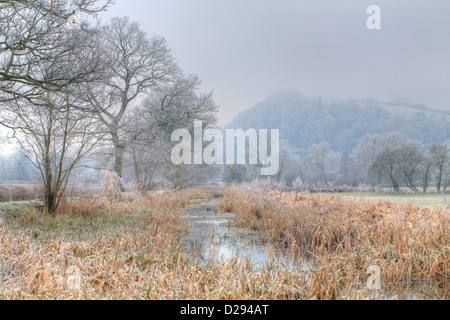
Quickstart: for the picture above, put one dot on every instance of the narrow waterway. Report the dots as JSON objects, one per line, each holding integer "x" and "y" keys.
{"x": 212, "y": 236}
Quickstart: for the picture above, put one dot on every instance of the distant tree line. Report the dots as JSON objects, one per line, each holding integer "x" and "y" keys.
{"x": 391, "y": 160}
{"x": 304, "y": 121}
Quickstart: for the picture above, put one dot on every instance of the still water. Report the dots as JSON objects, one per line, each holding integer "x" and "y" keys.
{"x": 212, "y": 236}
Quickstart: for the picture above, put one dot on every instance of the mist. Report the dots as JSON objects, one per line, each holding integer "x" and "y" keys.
{"x": 246, "y": 50}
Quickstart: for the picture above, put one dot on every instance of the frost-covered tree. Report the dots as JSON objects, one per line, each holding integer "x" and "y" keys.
{"x": 141, "y": 65}
{"x": 33, "y": 33}
{"x": 439, "y": 155}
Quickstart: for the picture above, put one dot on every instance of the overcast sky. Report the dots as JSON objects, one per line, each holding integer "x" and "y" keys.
{"x": 245, "y": 50}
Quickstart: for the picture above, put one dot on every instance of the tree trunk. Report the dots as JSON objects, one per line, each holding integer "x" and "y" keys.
{"x": 426, "y": 179}
{"x": 118, "y": 157}
{"x": 118, "y": 160}
{"x": 118, "y": 154}
{"x": 50, "y": 197}
{"x": 396, "y": 188}
{"x": 395, "y": 184}
{"x": 438, "y": 184}
{"x": 325, "y": 178}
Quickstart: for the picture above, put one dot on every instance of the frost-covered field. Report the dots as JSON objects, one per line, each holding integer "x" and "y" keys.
{"x": 131, "y": 248}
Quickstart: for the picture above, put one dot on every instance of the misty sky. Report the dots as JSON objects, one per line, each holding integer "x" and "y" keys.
{"x": 245, "y": 50}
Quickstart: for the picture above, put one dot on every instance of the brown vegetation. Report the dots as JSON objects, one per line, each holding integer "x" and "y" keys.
{"x": 131, "y": 249}
{"x": 20, "y": 192}
{"x": 344, "y": 237}
{"x": 111, "y": 185}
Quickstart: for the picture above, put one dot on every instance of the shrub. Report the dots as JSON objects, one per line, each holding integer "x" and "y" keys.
{"x": 112, "y": 185}
{"x": 20, "y": 192}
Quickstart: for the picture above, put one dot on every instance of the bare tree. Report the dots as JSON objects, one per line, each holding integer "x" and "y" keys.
{"x": 446, "y": 182}
{"x": 56, "y": 135}
{"x": 318, "y": 155}
{"x": 306, "y": 172}
{"x": 386, "y": 166}
{"x": 410, "y": 158}
{"x": 142, "y": 66}
{"x": 440, "y": 158}
{"x": 148, "y": 135}
{"x": 370, "y": 147}
{"x": 365, "y": 153}
{"x": 148, "y": 157}
{"x": 37, "y": 32}
{"x": 287, "y": 167}
{"x": 180, "y": 104}
{"x": 426, "y": 171}
{"x": 346, "y": 171}
{"x": 51, "y": 124}
{"x": 400, "y": 163}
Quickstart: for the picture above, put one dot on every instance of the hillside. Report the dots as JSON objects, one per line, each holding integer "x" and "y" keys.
{"x": 307, "y": 121}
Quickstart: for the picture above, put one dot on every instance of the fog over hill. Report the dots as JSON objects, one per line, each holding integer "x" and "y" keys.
{"x": 305, "y": 121}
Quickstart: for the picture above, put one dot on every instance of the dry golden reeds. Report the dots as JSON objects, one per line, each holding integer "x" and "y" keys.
{"x": 345, "y": 237}
{"x": 130, "y": 249}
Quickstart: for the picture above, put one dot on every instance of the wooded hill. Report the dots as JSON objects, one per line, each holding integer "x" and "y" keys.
{"x": 304, "y": 121}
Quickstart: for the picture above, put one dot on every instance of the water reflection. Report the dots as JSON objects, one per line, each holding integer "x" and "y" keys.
{"x": 213, "y": 237}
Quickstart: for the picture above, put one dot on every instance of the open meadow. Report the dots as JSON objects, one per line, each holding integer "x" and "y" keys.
{"x": 428, "y": 200}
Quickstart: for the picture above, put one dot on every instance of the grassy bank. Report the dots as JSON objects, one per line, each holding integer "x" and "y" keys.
{"x": 428, "y": 200}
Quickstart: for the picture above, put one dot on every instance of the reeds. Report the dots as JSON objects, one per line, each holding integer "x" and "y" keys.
{"x": 97, "y": 249}
{"x": 131, "y": 249}
{"x": 344, "y": 237}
